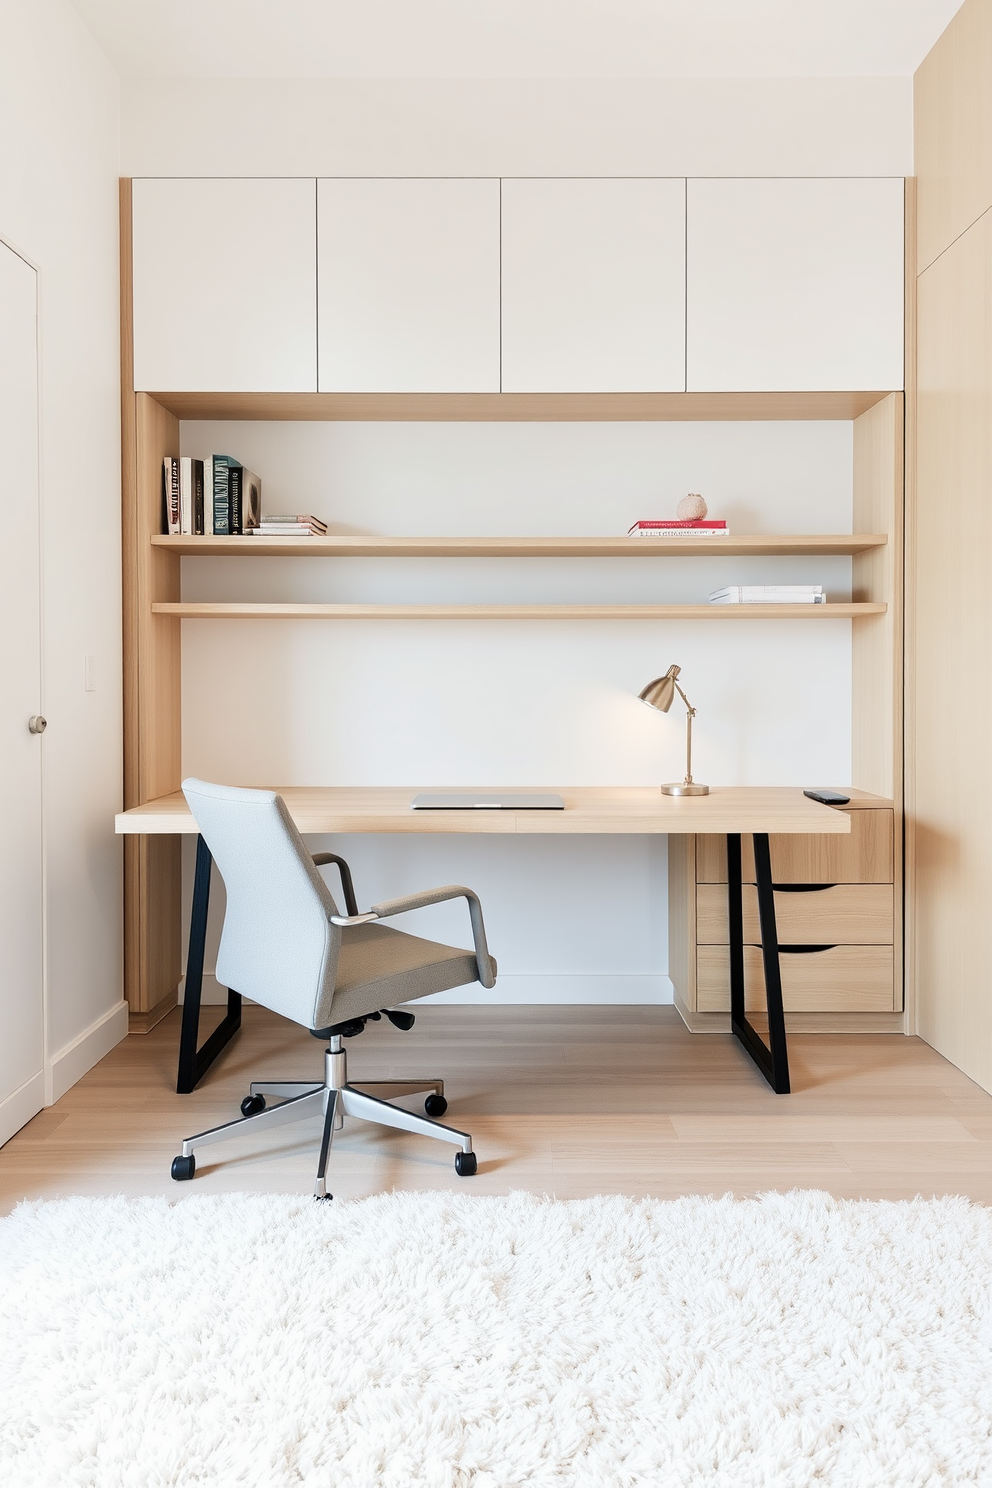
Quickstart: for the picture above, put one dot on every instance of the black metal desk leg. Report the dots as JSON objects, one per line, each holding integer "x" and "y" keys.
{"x": 779, "y": 1079}
{"x": 194, "y": 1062}
{"x": 772, "y": 1059}
{"x": 735, "y": 908}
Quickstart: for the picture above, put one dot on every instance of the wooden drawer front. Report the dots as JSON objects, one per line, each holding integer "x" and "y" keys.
{"x": 843, "y": 979}
{"x": 844, "y": 914}
{"x": 863, "y": 857}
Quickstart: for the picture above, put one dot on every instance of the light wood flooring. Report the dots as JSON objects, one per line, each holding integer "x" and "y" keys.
{"x": 569, "y": 1101}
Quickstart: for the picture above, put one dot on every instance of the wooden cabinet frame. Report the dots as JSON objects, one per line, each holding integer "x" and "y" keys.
{"x": 151, "y": 581}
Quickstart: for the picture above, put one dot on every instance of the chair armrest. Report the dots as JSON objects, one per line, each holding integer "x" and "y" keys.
{"x": 487, "y": 974}
{"x": 350, "y": 902}
{"x": 346, "y": 921}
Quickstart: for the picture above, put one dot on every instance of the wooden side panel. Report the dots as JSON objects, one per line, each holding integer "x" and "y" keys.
{"x": 953, "y": 125}
{"x": 152, "y": 763}
{"x": 682, "y": 921}
{"x": 845, "y": 914}
{"x": 876, "y": 647}
{"x": 866, "y": 856}
{"x": 851, "y": 979}
{"x": 951, "y": 794}
{"x": 153, "y": 737}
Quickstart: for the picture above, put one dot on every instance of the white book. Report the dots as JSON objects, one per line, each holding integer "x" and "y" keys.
{"x": 762, "y": 591}
{"x": 679, "y": 532}
{"x": 208, "y": 495}
{"x": 736, "y": 596}
{"x": 186, "y": 496}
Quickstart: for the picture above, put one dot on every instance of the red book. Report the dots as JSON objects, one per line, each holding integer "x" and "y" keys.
{"x": 676, "y": 527}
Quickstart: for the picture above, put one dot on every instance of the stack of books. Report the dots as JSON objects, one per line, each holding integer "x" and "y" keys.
{"x": 769, "y": 594}
{"x": 678, "y": 529}
{"x": 302, "y": 526}
{"x": 215, "y": 497}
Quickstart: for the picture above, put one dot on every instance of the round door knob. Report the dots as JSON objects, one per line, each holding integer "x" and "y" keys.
{"x": 37, "y": 724}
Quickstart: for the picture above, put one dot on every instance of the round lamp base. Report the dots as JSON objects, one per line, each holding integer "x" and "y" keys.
{"x": 685, "y": 788}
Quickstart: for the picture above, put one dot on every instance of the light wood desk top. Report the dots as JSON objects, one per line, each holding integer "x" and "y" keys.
{"x": 588, "y": 809}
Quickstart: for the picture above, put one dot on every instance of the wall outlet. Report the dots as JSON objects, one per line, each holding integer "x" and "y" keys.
{"x": 89, "y": 673}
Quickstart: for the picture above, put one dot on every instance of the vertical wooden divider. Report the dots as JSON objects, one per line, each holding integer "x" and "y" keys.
{"x": 877, "y": 641}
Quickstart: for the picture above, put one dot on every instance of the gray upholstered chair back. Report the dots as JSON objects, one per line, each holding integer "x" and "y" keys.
{"x": 278, "y": 945}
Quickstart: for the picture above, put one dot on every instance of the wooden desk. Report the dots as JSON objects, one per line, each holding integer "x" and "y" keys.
{"x": 615, "y": 810}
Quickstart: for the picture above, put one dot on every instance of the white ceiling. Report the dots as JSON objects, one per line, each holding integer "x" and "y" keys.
{"x": 516, "y": 38}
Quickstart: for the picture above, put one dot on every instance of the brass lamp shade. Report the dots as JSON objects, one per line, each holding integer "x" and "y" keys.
{"x": 660, "y": 694}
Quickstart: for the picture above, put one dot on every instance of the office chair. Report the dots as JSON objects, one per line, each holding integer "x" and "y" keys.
{"x": 285, "y": 945}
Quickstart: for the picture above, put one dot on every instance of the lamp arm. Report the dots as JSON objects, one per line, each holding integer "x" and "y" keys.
{"x": 685, "y": 700}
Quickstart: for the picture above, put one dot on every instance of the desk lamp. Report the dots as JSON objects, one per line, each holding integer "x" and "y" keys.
{"x": 660, "y": 694}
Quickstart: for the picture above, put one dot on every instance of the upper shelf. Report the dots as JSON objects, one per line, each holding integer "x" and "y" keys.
{"x": 211, "y": 610}
{"x": 814, "y": 544}
{"x": 520, "y": 407}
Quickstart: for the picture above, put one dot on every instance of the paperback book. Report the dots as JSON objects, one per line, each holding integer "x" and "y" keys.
{"x": 171, "y": 500}
{"x": 678, "y": 529}
{"x": 769, "y": 594}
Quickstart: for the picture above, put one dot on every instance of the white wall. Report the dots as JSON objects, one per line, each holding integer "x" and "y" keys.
{"x": 59, "y": 144}
{"x": 524, "y": 703}
{"x": 541, "y": 703}
{"x": 485, "y": 127}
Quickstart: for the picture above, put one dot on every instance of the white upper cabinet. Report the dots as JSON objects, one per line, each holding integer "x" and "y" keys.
{"x": 408, "y": 285}
{"x": 593, "y": 285}
{"x": 225, "y": 285}
{"x": 794, "y": 284}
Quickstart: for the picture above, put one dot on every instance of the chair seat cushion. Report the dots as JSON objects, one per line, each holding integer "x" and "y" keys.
{"x": 380, "y": 967}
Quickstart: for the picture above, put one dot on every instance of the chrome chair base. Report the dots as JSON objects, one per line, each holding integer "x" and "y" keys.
{"x": 333, "y": 1100}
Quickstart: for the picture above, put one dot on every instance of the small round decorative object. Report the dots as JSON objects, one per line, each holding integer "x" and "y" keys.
{"x": 435, "y": 1105}
{"x": 252, "y": 1104}
{"x": 691, "y": 508}
{"x": 465, "y": 1164}
{"x": 183, "y": 1167}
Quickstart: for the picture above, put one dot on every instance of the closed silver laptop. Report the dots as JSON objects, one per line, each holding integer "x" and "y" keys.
{"x": 486, "y": 801}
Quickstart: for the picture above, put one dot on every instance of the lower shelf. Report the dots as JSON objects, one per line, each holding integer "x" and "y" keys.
{"x": 203, "y": 610}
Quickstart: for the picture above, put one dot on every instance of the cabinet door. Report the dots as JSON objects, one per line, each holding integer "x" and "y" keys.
{"x": 593, "y": 286}
{"x": 408, "y": 285}
{"x": 794, "y": 285}
{"x": 21, "y": 998}
{"x": 225, "y": 286}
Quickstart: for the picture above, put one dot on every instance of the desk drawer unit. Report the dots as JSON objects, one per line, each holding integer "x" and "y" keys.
{"x": 836, "y": 914}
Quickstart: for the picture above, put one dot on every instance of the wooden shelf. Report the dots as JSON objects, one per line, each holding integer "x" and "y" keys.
{"x": 197, "y": 610}
{"x": 520, "y": 407}
{"x": 337, "y": 546}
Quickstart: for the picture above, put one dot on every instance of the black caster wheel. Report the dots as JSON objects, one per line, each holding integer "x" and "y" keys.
{"x": 252, "y": 1104}
{"x": 465, "y": 1164}
{"x": 435, "y": 1105}
{"x": 183, "y": 1167}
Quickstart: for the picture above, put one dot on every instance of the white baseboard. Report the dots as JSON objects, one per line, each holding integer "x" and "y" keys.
{"x": 212, "y": 994}
{"x": 72, "y": 1062}
{"x": 23, "y": 1103}
{"x": 604, "y": 988}
{"x": 615, "y": 990}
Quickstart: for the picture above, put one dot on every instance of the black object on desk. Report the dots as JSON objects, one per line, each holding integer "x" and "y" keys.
{"x": 827, "y": 797}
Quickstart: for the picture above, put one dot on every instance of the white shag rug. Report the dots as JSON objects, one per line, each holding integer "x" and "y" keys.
{"x": 441, "y": 1341}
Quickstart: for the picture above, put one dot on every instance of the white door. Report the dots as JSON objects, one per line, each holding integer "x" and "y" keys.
{"x": 794, "y": 285}
{"x": 593, "y": 286}
{"x": 22, "y": 1050}
{"x": 408, "y": 286}
{"x": 225, "y": 285}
